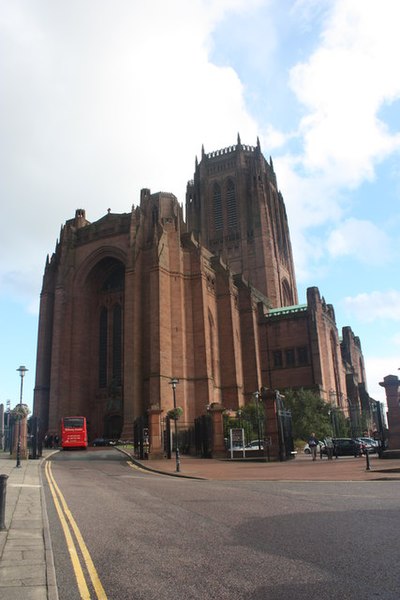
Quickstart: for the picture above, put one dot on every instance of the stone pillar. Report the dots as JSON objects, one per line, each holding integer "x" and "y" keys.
{"x": 391, "y": 384}
{"x": 216, "y": 412}
{"x": 271, "y": 425}
{"x": 155, "y": 433}
{"x": 24, "y": 438}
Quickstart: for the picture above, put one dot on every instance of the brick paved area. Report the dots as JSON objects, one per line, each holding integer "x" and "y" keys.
{"x": 302, "y": 468}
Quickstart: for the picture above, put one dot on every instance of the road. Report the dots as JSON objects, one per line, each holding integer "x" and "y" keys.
{"x": 158, "y": 537}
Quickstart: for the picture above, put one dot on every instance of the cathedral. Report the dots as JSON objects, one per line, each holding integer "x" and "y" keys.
{"x": 207, "y": 297}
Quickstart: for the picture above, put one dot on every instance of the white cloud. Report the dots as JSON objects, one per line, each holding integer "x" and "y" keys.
{"x": 349, "y": 77}
{"x": 377, "y": 368}
{"x": 311, "y": 204}
{"x": 343, "y": 85}
{"x": 99, "y": 100}
{"x": 360, "y": 239}
{"x": 122, "y": 97}
{"x": 341, "y": 130}
{"x": 274, "y": 138}
{"x": 376, "y": 305}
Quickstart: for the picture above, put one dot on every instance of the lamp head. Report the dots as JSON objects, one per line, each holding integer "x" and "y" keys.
{"x": 22, "y": 370}
{"x": 174, "y": 382}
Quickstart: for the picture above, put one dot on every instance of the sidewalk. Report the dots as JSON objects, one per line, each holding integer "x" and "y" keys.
{"x": 301, "y": 468}
{"x": 26, "y": 559}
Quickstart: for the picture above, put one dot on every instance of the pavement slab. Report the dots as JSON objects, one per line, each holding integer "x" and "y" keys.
{"x": 26, "y": 560}
{"x": 28, "y": 592}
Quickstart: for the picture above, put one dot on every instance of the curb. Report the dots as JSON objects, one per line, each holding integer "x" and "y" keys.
{"x": 146, "y": 468}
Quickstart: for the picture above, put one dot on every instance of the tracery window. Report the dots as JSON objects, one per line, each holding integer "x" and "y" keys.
{"x": 231, "y": 204}
{"x": 334, "y": 352}
{"x": 111, "y": 283}
{"x": 115, "y": 280}
{"x": 103, "y": 326}
{"x": 117, "y": 344}
{"x": 217, "y": 202}
{"x": 287, "y": 296}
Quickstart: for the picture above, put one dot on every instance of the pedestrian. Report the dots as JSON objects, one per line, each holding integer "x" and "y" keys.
{"x": 313, "y": 444}
{"x": 329, "y": 447}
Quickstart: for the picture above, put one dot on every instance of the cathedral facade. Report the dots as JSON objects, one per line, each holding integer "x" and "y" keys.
{"x": 134, "y": 299}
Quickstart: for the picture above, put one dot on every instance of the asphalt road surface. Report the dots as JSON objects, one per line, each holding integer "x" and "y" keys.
{"x": 158, "y": 537}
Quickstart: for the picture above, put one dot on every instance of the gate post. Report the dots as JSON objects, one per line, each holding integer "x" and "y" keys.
{"x": 216, "y": 412}
{"x": 23, "y": 453}
{"x": 271, "y": 426}
{"x": 156, "y": 446}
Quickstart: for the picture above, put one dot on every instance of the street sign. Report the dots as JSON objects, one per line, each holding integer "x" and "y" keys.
{"x": 236, "y": 437}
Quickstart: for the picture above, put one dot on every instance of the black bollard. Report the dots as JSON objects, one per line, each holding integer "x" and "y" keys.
{"x": 3, "y": 489}
{"x": 368, "y": 468}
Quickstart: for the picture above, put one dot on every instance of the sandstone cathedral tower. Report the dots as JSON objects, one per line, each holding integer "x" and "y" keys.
{"x": 134, "y": 299}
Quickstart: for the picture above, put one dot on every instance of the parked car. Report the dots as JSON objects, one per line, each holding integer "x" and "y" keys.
{"x": 103, "y": 442}
{"x": 370, "y": 444}
{"x": 255, "y": 445}
{"x": 235, "y": 447}
{"x": 346, "y": 447}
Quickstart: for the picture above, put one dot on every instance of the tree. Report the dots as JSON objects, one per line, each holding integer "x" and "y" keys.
{"x": 341, "y": 425}
{"x": 250, "y": 418}
{"x": 311, "y": 414}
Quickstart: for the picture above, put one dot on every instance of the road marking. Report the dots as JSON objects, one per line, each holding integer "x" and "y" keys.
{"x": 61, "y": 505}
{"x": 80, "y": 578}
{"x": 24, "y": 485}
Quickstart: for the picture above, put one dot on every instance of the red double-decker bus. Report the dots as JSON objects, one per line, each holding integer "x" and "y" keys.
{"x": 74, "y": 432}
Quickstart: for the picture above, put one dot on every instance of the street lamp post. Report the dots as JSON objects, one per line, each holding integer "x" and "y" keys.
{"x": 330, "y": 415}
{"x": 174, "y": 382}
{"x": 256, "y": 396}
{"x": 239, "y": 416}
{"x": 333, "y": 403}
{"x": 7, "y": 442}
{"x": 22, "y": 370}
{"x": 377, "y": 411}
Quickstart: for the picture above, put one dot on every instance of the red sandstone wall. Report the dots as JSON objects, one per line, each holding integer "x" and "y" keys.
{"x": 185, "y": 315}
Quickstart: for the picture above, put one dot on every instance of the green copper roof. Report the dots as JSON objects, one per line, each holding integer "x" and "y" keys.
{"x": 287, "y": 310}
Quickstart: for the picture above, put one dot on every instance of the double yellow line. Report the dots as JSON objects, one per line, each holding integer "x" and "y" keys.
{"x": 71, "y": 529}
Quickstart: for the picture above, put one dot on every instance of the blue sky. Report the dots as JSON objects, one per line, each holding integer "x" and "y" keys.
{"x": 100, "y": 99}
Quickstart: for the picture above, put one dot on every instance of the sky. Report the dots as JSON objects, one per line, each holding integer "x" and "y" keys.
{"x": 101, "y": 98}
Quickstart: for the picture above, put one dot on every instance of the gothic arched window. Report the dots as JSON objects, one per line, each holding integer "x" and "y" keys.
{"x": 212, "y": 342}
{"x": 231, "y": 204}
{"x": 287, "y": 296}
{"x": 217, "y": 200}
{"x": 334, "y": 354}
{"x": 117, "y": 345}
{"x": 103, "y": 325}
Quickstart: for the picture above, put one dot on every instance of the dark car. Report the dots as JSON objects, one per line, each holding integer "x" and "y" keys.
{"x": 102, "y": 442}
{"x": 347, "y": 447}
{"x": 370, "y": 445}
